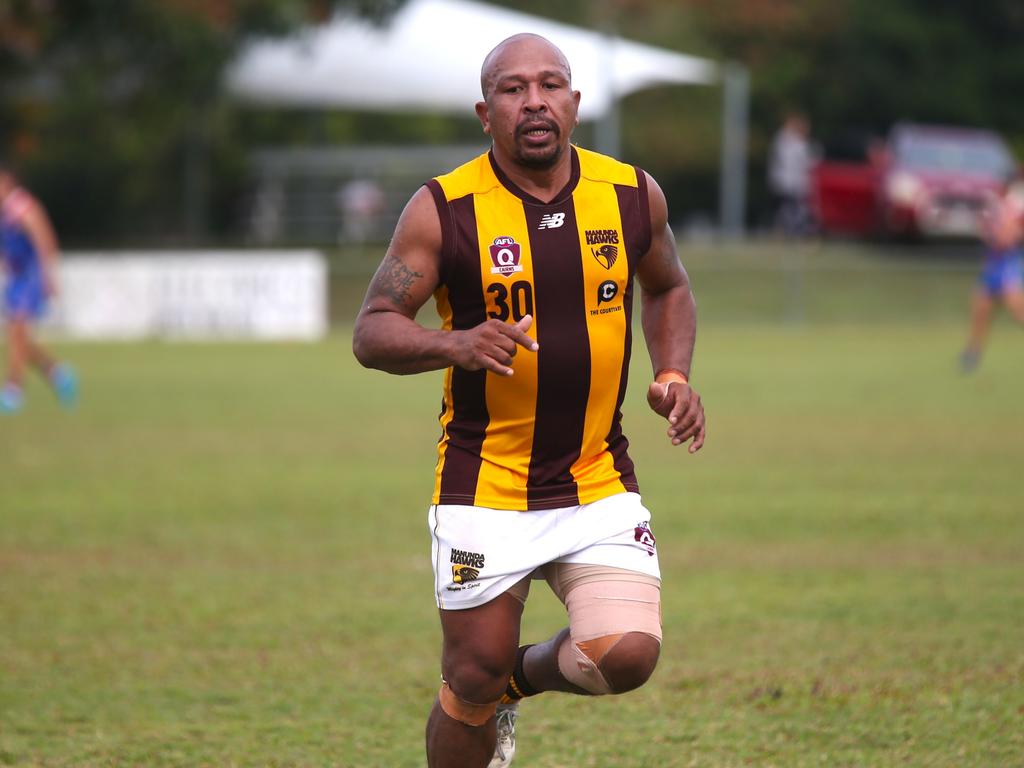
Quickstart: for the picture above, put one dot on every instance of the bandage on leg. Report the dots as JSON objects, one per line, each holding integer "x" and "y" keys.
{"x": 581, "y": 670}
{"x": 604, "y": 604}
{"x": 465, "y": 711}
{"x": 520, "y": 590}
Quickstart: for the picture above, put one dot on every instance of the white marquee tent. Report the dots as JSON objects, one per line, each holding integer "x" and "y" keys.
{"x": 427, "y": 59}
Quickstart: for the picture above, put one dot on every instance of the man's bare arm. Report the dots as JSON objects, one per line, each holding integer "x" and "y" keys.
{"x": 668, "y": 310}
{"x": 387, "y": 335}
{"x": 669, "y": 319}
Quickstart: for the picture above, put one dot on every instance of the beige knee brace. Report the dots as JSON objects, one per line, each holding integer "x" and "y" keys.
{"x": 464, "y": 711}
{"x": 601, "y": 610}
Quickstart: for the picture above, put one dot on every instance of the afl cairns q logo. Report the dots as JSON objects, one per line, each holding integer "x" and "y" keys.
{"x": 644, "y": 536}
{"x": 505, "y": 254}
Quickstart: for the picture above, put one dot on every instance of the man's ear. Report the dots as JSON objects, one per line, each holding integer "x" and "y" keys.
{"x": 481, "y": 113}
{"x": 576, "y": 100}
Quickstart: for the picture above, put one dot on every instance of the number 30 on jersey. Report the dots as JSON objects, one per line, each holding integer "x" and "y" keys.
{"x": 515, "y": 301}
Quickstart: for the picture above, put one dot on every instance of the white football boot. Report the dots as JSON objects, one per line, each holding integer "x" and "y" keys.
{"x": 505, "y": 749}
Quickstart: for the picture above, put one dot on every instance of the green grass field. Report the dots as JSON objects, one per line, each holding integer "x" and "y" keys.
{"x": 221, "y": 557}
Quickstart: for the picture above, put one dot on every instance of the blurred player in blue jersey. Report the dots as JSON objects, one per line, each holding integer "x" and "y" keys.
{"x": 1002, "y": 274}
{"x": 28, "y": 247}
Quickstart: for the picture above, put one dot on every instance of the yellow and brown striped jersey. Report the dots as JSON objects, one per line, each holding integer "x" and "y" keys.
{"x": 549, "y": 435}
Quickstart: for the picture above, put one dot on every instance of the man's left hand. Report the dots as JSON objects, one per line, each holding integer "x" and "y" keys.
{"x": 680, "y": 404}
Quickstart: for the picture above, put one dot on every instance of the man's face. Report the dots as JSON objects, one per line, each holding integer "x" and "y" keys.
{"x": 530, "y": 109}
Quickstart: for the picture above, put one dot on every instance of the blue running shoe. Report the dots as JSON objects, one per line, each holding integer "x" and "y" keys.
{"x": 65, "y": 384}
{"x": 969, "y": 360}
{"x": 11, "y": 398}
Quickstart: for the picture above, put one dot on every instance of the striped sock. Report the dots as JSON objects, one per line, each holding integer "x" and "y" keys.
{"x": 518, "y": 688}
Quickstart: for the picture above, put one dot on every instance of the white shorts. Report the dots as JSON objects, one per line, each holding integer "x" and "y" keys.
{"x": 480, "y": 553}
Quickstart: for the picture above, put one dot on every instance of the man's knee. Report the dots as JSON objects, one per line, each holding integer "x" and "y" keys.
{"x": 630, "y": 662}
{"x": 609, "y": 664}
{"x": 478, "y": 680}
{"x": 470, "y": 691}
{"x": 479, "y": 654}
{"x": 475, "y": 682}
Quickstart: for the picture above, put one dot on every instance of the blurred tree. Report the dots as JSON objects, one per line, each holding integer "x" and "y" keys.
{"x": 113, "y": 109}
{"x": 849, "y": 64}
{"x": 864, "y": 65}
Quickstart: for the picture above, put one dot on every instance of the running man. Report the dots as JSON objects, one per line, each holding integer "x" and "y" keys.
{"x": 530, "y": 251}
{"x": 1002, "y": 275}
{"x": 29, "y": 249}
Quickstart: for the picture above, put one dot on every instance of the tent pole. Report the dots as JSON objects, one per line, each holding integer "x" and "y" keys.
{"x": 735, "y": 117}
{"x": 196, "y": 188}
{"x": 607, "y": 134}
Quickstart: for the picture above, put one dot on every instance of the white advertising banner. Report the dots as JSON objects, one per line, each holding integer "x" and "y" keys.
{"x": 268, "y": 295}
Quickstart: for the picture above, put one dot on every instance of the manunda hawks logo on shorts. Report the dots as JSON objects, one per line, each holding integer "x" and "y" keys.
{"x": 465, "y": 566}
{"x": 644, "y": 536}
{"x": 505, "y": 253}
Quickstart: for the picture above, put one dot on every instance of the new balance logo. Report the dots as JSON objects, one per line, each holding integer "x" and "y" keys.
{"x": 551, "y": 221}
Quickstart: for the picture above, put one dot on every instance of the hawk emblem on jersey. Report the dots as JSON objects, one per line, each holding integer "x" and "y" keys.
{"x": 505, "y": 254}
{"x": 606, "y": 255}
{"x": 644, "y": 536}
{"x": 463, "y": 573}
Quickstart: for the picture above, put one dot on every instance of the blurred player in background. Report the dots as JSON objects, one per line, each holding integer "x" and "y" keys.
{"x": 790, "y": 163}
{"x": 28, "y": 247}
{"x": 1002, "y": 273}
{"x": 530, "y": 251}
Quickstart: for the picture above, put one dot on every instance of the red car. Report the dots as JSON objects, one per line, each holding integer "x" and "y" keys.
{"x": 924, "y": 181}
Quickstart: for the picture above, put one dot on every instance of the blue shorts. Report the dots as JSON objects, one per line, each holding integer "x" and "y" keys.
{"x": 999, "y": 276}
{"x": 24, "y": 296}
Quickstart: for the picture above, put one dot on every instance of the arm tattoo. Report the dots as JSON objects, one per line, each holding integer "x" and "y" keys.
{"x": 394, "y": 279}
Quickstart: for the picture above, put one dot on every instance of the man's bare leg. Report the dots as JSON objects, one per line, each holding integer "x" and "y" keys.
{"x": 479, "y": 653}
{"x": 982, "y": 306}
{"x": 37, "y": 355}
{"x": 17, "y": 351}
{"x": 1014, "y": 300}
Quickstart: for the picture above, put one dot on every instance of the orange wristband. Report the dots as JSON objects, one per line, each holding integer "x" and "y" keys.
{"x": 671, "y": 374}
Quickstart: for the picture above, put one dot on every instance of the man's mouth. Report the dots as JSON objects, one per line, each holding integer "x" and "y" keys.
{"x": 538, "y": 131}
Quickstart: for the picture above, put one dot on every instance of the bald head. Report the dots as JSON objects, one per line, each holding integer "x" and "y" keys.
{"x": 510, "y": 50}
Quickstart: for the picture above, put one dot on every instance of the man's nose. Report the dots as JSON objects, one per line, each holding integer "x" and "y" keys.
{"x": 536, "y": 98}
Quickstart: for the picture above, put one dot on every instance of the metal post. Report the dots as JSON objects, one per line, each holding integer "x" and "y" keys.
{"x": 735, "y": 116}
{"x": 607, "y": 133}
{"x": 196, "y": 182}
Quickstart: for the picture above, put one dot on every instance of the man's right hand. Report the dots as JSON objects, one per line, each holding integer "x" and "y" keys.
{"x": 492, "y": 345}
{"x": 680, "y": 404}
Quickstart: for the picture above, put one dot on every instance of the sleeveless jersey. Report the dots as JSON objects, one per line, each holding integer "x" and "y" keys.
{"x": 549, "y": 435}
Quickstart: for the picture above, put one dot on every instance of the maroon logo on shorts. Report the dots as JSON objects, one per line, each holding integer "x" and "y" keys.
{"x": 505, "y": 253}
{"x": 644, "y": 536}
